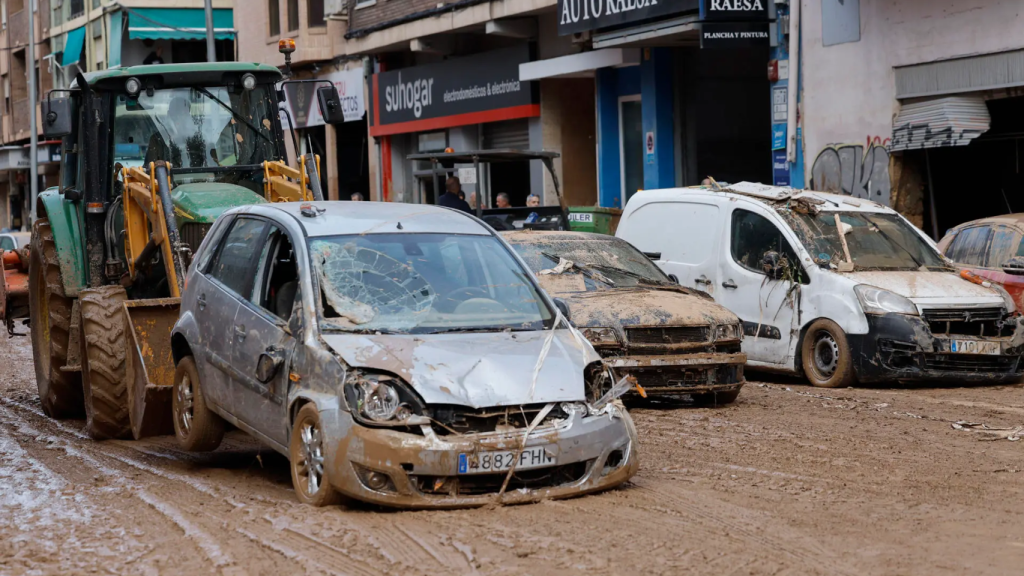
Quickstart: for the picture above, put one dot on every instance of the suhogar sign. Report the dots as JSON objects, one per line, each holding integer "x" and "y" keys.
{"x": 582, "y": 15}
{"x": 468, "y": 90}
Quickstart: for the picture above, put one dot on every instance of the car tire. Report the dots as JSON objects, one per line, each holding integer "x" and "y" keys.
{"x": 306, "y": 454}
{"x": 197, "y": 428}
{"x": 826, "y": 357}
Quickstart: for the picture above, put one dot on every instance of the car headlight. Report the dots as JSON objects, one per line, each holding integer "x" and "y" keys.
{"x": 380, "y": 398}
{"x": 601, "y": 336}
{"x": 877, "y": 301}
{"x": 728, "y": 332}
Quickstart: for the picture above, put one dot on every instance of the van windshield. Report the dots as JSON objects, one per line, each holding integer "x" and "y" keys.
{"x": 424, "y": 284}
{"x": 876, "y": 241}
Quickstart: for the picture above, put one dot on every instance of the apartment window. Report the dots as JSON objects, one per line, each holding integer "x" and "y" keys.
{"x": 274, "y": 11}
{"x": 293, "y": 15}
{"x": 95, "y": 4}
{"x": 315, "y": 13}
{"x": 365, "y": 3}
{"x": 77, "y": 8}
{"x": 58, "y": 12}
{"x": 7, "y": 94}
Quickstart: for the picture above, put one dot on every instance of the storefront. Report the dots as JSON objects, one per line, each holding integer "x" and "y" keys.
{"x": 342, "y": 147}
{"x": 465, "y": 103}
{"x": 681, "y": 90}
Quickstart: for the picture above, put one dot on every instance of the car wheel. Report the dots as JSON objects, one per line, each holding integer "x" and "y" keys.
{"x": 306, "y": 452}
{"x": 198, "y": 428}
{"x": 826, "y": 356}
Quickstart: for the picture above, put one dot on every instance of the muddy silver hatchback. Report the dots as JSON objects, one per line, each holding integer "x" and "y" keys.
{"x": 397, "y": 354}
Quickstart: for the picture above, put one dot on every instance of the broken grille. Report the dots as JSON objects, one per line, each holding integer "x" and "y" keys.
{"x": 447, "y": 419}
{"x": 667, "y": 335}
{"x": 966, "y": 321}
{"x": 478, "y": 484}
{"x": 970, "y": 363}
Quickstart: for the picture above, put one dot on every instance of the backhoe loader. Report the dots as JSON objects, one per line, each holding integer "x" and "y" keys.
{"x": 151, "y": 156}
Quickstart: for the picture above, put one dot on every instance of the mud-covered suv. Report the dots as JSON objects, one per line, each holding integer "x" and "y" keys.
{"x": 675, "y": 341}
{"x": 397, "y": 354}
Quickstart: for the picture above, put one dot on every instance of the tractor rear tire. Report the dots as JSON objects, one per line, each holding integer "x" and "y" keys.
{"x": 104, "y": 373}
{"x": 50, "y": 322}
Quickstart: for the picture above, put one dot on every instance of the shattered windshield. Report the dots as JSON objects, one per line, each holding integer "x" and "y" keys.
{"x": 195, "y": 128}
{"x": 876, "y": 241}
{"x": 603, "y": 262}
{"x": 422, "y": 284}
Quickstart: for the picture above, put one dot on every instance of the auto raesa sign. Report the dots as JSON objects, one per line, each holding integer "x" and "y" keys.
{"x": 582, "y": 15}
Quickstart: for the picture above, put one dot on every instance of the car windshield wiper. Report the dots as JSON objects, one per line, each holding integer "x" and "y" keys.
{"x": 630, "y": 273}
{"x": 466, "y": 329}
{"x": 892, "y": 241}
{"x": 583, "y": 268}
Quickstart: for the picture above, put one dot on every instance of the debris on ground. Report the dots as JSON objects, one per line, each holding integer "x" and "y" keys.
{"x": 989, "y": 433}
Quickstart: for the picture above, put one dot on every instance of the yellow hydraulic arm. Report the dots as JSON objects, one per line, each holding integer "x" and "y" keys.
{"x": 149, "y": 224}
{"x": 282, "y": 183}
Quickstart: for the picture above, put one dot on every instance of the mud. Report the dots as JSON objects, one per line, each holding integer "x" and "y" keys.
{"x": 788, "y": 480}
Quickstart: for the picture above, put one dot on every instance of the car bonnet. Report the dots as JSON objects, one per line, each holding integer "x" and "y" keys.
{"x": 475, "y": 369}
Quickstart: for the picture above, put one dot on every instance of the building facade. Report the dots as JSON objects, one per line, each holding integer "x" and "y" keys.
{"x": 75, "y": 36}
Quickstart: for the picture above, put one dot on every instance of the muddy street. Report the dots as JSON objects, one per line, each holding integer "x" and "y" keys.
{"x": 788, "y": 480}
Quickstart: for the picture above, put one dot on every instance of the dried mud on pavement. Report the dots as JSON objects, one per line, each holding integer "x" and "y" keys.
{"x": 789, "y": 480}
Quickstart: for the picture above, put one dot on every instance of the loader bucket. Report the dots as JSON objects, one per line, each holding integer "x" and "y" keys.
{"x": 150, "y": 367}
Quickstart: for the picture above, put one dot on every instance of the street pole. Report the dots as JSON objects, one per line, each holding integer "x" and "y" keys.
{"x": 33, "y": 163}
{"x": 211, "y": 54}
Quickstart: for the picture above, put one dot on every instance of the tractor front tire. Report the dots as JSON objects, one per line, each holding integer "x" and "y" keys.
{"x": 60, "y": 392}
{"x": 104, "y": 373}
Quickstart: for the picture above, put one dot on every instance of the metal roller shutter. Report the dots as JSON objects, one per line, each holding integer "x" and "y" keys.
{"x": 514, "y": 134}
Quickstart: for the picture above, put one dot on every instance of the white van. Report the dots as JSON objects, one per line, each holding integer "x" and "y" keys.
{"x": 875, "y": 302}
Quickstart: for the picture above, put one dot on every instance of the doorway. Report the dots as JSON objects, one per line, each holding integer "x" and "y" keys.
{"x": 631, "y": 146}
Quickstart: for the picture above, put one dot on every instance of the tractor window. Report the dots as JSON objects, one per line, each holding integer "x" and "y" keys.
{"x": 197, "y": 127}
{"x": 235, "y": 263}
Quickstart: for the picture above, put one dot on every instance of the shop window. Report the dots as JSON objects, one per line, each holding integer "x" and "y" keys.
{"x": 293, "y": 15}
{"x": 315, "y": 13}
{"x": 274, "y": 17}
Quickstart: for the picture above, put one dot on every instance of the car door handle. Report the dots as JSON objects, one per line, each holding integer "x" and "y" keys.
{"x": 240, "y": 332}
{"x": 729, "y": 284}
{"x": 201, "y": 301}
{"x": 702, "y": 280}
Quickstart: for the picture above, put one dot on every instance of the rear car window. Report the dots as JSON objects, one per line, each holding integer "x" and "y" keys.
{"x": 1005, "y": 241}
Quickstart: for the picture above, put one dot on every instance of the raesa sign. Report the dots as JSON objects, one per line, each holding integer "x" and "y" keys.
{"x": 582, "y": 15}
{"x": 732, "y": 10}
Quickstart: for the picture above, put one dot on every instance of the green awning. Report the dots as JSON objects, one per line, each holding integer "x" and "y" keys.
{"x": 73, "y": 46}
{"x": 178, "y": 24}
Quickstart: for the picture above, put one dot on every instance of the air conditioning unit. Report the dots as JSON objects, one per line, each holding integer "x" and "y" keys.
{"x": 580, "y": 37}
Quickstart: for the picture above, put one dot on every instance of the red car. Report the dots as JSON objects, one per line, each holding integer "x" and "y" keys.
{"x": 991, "y": 248}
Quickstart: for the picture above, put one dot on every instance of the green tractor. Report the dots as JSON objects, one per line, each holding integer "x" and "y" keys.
{"x": 151, "y": 156}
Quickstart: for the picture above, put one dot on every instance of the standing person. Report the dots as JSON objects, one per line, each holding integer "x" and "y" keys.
{"x": 501, "y": 200}
{"x": 532, "y": 201}
{"x": 356, "y": 197}
{"x": 155, "y": 57}
{"x": 450, "y": 199}
{"x": 473, "y": 200}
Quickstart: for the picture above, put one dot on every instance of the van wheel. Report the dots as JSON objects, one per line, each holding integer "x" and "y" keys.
{"x": 826, "y": 357}
{"x": 306, "y": 452}
{"x": 198, "y": 428}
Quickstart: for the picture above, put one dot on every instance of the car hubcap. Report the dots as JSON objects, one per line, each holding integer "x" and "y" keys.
{"x": 312, "y": 464}
{"x": 185, "y": 404}
{"x": 826, "y": 354}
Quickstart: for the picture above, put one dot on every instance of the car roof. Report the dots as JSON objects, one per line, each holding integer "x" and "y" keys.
{"x": 1007, "y": 219}
{"x": 345, "y": 217}
{"x": 766, "y": 194}
{"x": 529, "y": 236}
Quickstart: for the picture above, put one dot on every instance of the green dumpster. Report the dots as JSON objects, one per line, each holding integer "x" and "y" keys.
{"x": 594, "y": 219}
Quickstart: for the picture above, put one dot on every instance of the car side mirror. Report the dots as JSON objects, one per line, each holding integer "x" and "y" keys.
{"x": 653, "y": 255}
{"x": 673, "y": 278}
{"x": 330, "y": 104}
{"x": 1014, "y": 266}
{"x": 56, "y": 117}
{"x": 771, "y": 264}
{"x": 563, "y": 308}
{"x": 269, "y": 364}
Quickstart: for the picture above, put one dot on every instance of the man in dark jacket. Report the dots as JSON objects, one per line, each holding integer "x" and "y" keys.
{"x": 450, "y": 199}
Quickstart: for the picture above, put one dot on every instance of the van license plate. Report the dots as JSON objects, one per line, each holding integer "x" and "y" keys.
{"x": 974, "y": 347}
{"x": 487, "y": 462}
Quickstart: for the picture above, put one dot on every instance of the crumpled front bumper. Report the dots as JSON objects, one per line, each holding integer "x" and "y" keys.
{"x": 694, "y": 373}
{"x": 417, "y": 464}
